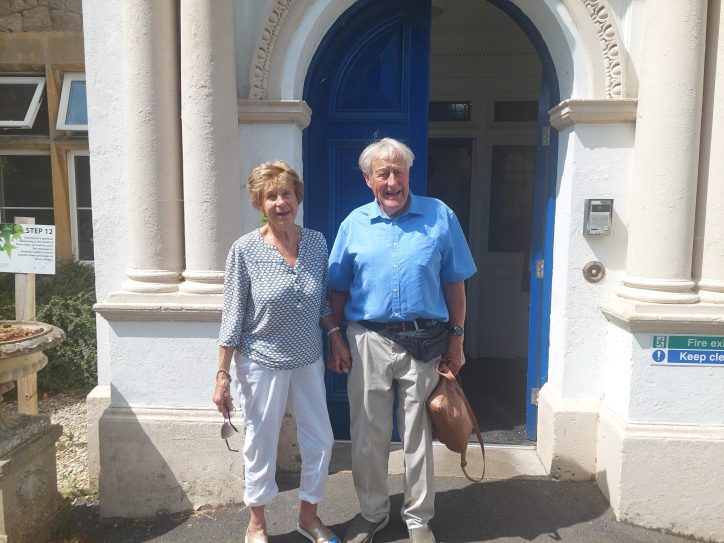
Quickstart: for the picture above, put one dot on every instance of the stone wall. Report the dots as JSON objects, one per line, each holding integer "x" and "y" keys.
{"x": 41, "y": 16}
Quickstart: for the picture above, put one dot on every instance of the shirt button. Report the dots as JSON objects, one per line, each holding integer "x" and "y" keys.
{"x": 394, "y": 290}
{"x": 394, "y": 265}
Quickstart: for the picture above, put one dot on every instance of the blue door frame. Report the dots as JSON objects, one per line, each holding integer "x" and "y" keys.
{"x": 544, "y": 202}
{"x": 349, "y": 111}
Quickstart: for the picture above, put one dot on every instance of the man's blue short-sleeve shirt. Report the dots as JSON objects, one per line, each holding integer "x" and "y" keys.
{"x": 394, "y": 268}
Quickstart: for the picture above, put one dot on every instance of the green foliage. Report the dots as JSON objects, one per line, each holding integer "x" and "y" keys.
{"x": 65, "y": 300}
{"x": 8, "y": 234}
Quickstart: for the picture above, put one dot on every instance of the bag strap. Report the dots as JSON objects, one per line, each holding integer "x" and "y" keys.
{"x": 447, "y": 374}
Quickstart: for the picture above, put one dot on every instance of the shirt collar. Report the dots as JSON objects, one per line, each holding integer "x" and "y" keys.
{"x": 414, "y": 207}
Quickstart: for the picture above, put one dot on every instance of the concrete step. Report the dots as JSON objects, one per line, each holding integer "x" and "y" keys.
{"x": 501, "y": 461}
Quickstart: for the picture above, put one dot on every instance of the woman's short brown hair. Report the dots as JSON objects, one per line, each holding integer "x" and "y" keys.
{"x": 272, "y": 173}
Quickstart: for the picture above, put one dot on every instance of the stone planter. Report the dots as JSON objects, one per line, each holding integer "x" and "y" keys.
{"x": 29, "y": 500}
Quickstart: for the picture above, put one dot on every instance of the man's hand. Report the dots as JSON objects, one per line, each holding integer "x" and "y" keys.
{"x": 340, "y": 359}
{"x": 453, "y": 357}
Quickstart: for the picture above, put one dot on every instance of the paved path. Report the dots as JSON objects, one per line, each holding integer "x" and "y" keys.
{"x": 504, "y": 511}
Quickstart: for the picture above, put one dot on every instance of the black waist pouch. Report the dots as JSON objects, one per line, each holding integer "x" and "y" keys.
{"x": 426, "y": 344}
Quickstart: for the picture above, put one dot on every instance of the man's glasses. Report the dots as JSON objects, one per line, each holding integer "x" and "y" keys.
{"x": 228, "y": 429}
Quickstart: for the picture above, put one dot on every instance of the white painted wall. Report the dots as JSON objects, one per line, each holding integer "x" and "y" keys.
{"x": 595, "y": 162}
{"x": 674, "y": 394}
{"x": 167, "y": 364}
{"x": 104, "y": 76}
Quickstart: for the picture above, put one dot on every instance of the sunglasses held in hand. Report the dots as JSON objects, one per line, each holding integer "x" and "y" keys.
{"x": 228, "y": 429}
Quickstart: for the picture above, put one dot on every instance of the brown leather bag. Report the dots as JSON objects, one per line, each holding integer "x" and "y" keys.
{"x": 453, "y": 421}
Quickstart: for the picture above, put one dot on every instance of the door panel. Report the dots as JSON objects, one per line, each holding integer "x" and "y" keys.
{"x": 369, "y": 79}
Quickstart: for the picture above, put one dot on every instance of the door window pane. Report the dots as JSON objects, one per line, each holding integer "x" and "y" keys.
{"x": 511, "y": 198}
{"x": 449, "y": 173}
{"x": 450, "y": 111}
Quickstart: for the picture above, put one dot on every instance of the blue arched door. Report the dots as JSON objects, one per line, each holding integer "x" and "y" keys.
{"x": 369, "y": 79}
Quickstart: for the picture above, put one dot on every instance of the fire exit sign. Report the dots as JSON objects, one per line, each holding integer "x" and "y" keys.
{"x": 688, "y": 350}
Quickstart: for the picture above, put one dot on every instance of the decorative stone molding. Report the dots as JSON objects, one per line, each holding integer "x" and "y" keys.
{"x": 636, "y": 316}
{"x": 610, "y": 48}
{"x": 175, "y": 306}
{"x": 260, "y": 66}
{"x": 570, "y": 112}
{"x": 275, "y": 111}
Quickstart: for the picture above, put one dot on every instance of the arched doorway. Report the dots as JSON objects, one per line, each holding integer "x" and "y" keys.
{"x": 489, "y": 143}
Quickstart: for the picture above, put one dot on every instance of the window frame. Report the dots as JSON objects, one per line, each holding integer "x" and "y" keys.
{"x": 34, "y": 105}
{"x": 73, "y": 205}
{"x": 68, "y": 79}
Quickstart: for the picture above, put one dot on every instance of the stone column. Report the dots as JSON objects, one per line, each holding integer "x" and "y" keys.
{"x": 666, "y": 155}
{"x": 152, "y": 140}
{"x": 709, "y": 244}
{"x": 210, "y": 134}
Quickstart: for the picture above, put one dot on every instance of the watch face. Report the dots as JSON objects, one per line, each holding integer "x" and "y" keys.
{"x": 458, "y": 331}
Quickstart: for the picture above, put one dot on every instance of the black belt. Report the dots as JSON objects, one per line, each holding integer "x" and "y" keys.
{"x": 399, "y": 326}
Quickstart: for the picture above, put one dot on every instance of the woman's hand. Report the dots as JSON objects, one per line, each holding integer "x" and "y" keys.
{"x": 222, "y": 393}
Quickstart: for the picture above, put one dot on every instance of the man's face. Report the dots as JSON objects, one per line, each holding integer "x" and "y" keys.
{"x": 390, "y": 183}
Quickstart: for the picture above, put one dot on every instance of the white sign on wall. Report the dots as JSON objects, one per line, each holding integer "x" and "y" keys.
{"x": 27, "y": 248}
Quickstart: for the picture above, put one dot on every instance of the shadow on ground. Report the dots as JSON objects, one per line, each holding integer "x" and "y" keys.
{"x": 515, "y": 510}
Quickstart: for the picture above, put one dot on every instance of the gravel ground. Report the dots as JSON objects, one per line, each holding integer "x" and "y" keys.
{"x": 69, "y": 410}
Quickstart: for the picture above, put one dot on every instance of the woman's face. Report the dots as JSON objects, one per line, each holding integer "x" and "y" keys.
{"x": 280, "y": 205}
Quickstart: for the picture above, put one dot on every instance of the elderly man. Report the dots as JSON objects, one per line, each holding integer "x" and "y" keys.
{"x": 399, "y": 263}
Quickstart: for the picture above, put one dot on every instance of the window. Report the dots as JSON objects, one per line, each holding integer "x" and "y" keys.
{"x": 26, "y": 187}
{"x": 72, "y": 110}
{"x": 81, "y": 215}
{"x": 20, "y": 99}
{"x": 516, "y": 112}
{"x": 450, "y": 111}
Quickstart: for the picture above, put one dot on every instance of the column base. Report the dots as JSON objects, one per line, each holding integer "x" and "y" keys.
{"x": 711, "y": 291}
{"x": 658, "y": 291}
{"x": 151, "y": 281}
{"x": 202, "y": 282}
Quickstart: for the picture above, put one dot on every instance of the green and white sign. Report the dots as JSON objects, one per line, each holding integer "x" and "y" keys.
{"x": 688, "y": 350}
{"x": 27, "y": 248}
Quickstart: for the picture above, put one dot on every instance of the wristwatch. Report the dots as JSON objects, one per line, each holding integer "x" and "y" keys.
{"x": 457, "y": 331}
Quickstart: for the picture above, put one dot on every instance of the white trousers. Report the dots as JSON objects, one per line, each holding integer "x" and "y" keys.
{"x": 264, "y": 395}
{"x": 378, "y": 365}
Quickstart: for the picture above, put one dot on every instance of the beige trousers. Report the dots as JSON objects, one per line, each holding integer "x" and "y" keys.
{"x": 378, "y": 365}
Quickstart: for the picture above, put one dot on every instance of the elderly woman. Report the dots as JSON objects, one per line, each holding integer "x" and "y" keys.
{"x": 275, "y": 298}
